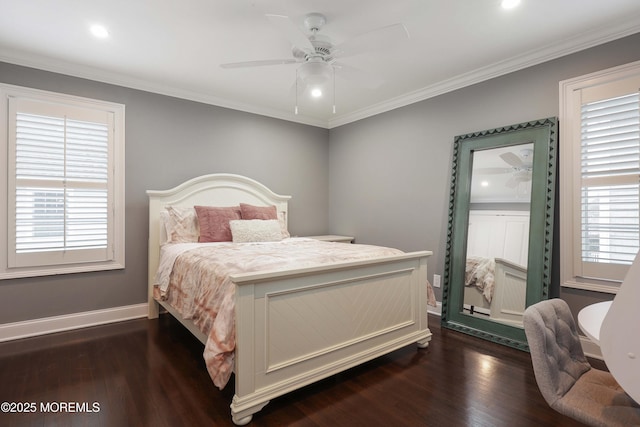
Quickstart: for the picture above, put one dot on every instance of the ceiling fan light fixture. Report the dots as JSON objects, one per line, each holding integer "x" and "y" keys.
{"x": 315, "y": 72}
{"x": 316, "y": 92}
{"x": 510, "y": 4}
{"x": 317, "y": 78}
{"x": 99, "y": 31}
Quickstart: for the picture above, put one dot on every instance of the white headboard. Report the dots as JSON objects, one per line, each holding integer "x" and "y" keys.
{"x": 207, "y": 190}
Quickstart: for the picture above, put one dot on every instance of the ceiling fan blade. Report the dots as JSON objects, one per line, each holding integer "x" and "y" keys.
{"x": 512, "y": 182}
{"x": 512, "y": 159}
{"x": 295, "y": 36}
{"x": 357, "y": 76}
{"x": 493, "y": 171}
{"x": 380, "y": 38}
{"x": 259, "y": 63}
{"x": 525, "y": 175}
{"x": 517, "y": 178}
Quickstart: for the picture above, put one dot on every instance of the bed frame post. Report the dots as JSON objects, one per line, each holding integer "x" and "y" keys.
{"x": 153, "y": 255}
{"x": 241, "y": 413}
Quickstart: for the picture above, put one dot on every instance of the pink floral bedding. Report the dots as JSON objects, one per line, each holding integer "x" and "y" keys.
{"x": 199, "y": 288}
{"x": 480, "y": 272}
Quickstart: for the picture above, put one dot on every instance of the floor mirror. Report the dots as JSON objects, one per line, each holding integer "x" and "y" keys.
{"x": 500, "y": 229}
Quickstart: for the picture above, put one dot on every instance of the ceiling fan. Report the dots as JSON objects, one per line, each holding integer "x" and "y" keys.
{"x": 521, "y": 167}
{"x": 318, "y": 55}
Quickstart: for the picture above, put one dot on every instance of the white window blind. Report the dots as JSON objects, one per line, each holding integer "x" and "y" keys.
{"x": 610, "y": 169}
{"x": 65, "y": 186}
{"x": 61, "y": 184}
{"x": 599, "y": 177}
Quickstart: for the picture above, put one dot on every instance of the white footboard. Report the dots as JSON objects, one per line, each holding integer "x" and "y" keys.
{"x": 297, "y": 327}
{"x": 510, "y": 292}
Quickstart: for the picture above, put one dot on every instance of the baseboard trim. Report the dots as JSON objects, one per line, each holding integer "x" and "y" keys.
{"x": 590, "y": 349}
{"x": 48, "y": 325}
{"x": 435, "y": 310}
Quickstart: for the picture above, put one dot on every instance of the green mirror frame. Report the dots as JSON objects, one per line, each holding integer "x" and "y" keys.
{"x": 543, "y": 134}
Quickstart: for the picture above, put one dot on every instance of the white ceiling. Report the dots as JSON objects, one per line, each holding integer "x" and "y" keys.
{"x": 491, "y": 175}
{"x": 175, "y": 47}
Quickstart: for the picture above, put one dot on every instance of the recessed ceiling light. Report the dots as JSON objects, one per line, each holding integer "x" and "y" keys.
{"x": 99, "y": 31}
{"x": 316, "y": 92}
{"x": 510, "y": 4}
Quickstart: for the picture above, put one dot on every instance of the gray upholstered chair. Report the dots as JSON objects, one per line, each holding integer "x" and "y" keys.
{"x": 566, "y": 379}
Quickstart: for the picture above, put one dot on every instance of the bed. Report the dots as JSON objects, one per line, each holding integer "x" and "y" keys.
{"x": 296, "y": 325}
{"x": 496, "y": 287}
{"x": 495, "y": 270}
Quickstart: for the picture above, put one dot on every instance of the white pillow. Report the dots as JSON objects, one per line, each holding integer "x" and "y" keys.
{"x": 181, "y": 224}
{"x": 255, "y": 230}
{"x": 282, "y": 218}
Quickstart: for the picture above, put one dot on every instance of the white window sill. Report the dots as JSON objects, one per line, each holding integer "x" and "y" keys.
{"x": 607, "y": 289}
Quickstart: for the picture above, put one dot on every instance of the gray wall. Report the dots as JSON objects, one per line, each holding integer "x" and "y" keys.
{"x": 390, "y": 174}
{"x": 168, "y": 141}
{"x": 384, "y": 180}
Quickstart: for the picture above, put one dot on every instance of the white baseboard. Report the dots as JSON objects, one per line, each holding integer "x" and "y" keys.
{"x": 590, "y": 348}
{"x": 47, "y": 325}
{"x": 435, "y": 310}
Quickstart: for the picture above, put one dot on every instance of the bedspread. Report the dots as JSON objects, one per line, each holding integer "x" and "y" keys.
{"x": 199, "y": 285}
{"x": 480, "y": 272}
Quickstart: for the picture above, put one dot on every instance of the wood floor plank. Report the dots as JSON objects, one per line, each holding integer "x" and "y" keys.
{"x": 151, "y": 373}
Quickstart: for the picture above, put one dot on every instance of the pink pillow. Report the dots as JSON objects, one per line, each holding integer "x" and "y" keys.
{"x": 214, "y": 222}
{"x": 258, "y": 212}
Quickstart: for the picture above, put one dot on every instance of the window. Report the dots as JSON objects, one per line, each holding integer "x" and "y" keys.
{"x": 599, "y": 176}
{"x": 64, "y": 184}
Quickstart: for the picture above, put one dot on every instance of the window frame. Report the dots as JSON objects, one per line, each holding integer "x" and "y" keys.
{"x": 116, "y": 187}
{"x": 570, "y": 179}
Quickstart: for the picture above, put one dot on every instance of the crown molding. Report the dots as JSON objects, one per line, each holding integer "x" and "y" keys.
{"x": 556, "y": 50}
{"x": 516, "y": 63}
{"x": 95, "y": 74}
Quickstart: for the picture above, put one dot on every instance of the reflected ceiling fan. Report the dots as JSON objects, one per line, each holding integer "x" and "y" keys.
{"x": 318, "y": 55}
{"x": 521, "y": 167}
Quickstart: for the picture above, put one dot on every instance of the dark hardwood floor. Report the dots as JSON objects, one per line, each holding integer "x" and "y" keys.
{"x": 151, "y": 373}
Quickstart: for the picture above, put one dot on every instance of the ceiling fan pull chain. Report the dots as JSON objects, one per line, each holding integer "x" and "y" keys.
{"x": 334, "y": 89}
{"x": 295, "y": 110}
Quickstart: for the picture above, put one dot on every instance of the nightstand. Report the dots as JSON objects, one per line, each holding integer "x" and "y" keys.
{"x": 333, "y": 238}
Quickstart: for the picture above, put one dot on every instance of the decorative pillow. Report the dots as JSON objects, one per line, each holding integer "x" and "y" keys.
{"x": 265, "y": 213}
{"x": 282, "y": 219}
{"x": 164, "y": 221}
{"x": 180, "y": 224}
{"x": 214, "y": 222}
{"x": 258, "y": 212}
{"x": 255, "y": 230}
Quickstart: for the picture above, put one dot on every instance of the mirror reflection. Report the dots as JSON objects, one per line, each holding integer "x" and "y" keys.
{"x": 500, "y": 229}
{"x": 495, "y": 281}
